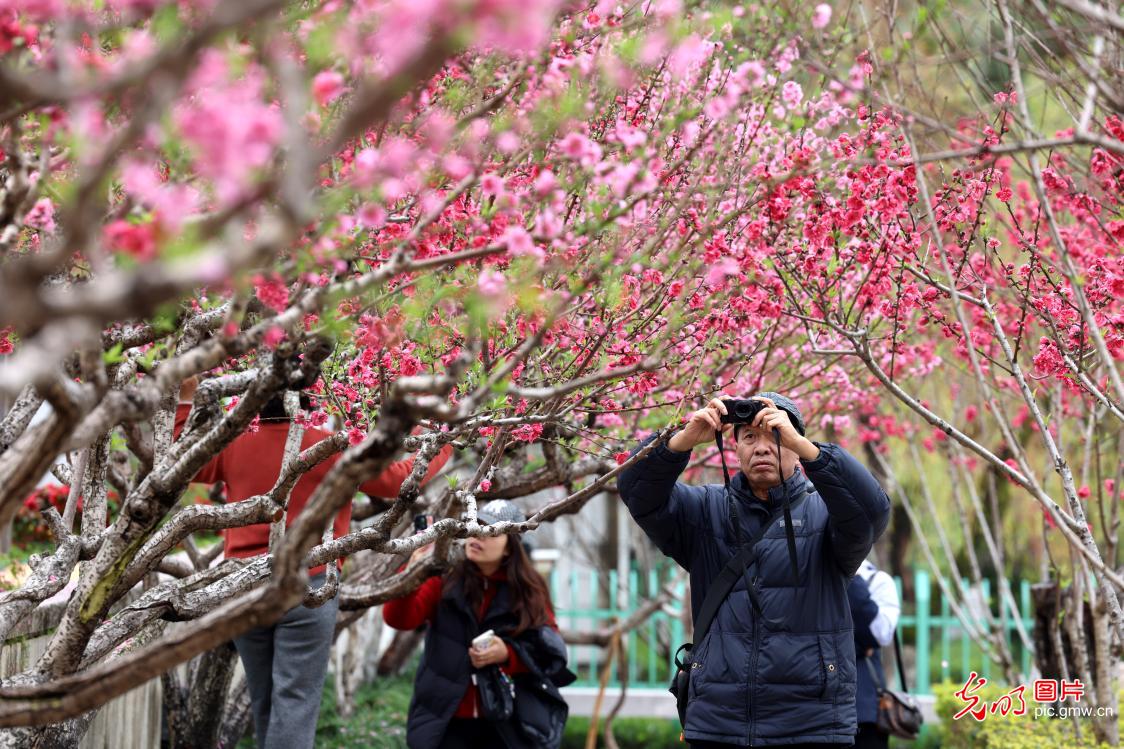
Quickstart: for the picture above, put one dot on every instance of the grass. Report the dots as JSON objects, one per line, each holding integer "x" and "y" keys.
{"x": 630, "y": 733}
{"x": 378, "y": 721}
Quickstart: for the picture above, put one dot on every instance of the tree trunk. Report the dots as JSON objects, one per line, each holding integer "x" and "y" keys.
{"x": 1059, "y": 657}
{"x": 893, "y": 548}
{"x": 399, "y": 651}
{"x": 195, "y": 715}
{"x": 355, "y": 658}
{"x": 236, "y": 716}
{"x": 1106, "y": 726}
{"x": 1047, "y": 657}
{"x": 898, "y": 545}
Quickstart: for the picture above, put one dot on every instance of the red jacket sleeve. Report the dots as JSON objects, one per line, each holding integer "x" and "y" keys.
{"x": 413, "y": 610}
{"x": 514, "y": 663}
{"x": 210, "y": 473}
{"x": 389, "y": 482}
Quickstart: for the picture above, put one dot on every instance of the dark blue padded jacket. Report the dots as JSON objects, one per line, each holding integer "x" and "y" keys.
{"x": 792, "y": 679}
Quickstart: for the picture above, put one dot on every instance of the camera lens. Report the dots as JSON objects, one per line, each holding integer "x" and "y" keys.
{"x": 744, "y": 410}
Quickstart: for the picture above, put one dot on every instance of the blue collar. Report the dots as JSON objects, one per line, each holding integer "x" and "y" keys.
{"x": 796, "y": 483}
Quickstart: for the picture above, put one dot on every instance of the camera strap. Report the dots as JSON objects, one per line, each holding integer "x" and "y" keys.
{"x": 789, "y": 532}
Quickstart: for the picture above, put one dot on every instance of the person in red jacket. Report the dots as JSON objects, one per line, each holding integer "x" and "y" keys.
{"x": 494, "y": 588}
{"x": 286, "y": 662}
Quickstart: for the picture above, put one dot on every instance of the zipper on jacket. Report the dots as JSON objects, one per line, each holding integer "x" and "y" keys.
{"x": 756, "y": 648}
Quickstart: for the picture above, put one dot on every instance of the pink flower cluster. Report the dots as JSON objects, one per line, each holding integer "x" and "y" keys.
{"x": 272, "y": 292}
{"x": 230, "y": 127}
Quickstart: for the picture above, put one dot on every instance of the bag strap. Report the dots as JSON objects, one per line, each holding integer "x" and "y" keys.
{"x": 735, "y": 568}
{"x": 876, "y": 675}
{"x": 898, "y": 658}
{"x": 725, "y": 582}
{"x": 879, "y": 678}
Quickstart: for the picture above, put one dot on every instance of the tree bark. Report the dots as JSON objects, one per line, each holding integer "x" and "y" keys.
{"x": 200, "y": 714}
{"x": 401, "y": 647}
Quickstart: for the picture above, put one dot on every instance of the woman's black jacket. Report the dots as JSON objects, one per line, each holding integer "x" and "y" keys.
{"x": 445, "y": 672}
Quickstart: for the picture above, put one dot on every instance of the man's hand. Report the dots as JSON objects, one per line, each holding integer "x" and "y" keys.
{"x": 771, "y": 417}
{"x": 700, "y": 427}
{"x": 494, "y": 653}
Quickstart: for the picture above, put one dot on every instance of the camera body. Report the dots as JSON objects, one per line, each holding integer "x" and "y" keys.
{"x": 745, "y": 410}
{"x": 741, "y": 410}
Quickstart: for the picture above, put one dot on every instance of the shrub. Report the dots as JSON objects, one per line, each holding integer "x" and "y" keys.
{"x": 1006, "y": 732}
{"x": 631, "y": 733}
{"x": 29, "y": 529}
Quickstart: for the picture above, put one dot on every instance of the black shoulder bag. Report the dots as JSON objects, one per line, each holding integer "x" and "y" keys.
{"x": 725, "y": 582}
{"x": 497, "y": 693}
{"x": 899, "y": 713}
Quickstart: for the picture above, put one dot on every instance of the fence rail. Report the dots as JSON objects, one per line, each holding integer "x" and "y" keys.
{"x": 937, "y": 648}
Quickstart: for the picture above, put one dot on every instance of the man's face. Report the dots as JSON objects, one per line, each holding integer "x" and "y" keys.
{"x": 757, "y": 455}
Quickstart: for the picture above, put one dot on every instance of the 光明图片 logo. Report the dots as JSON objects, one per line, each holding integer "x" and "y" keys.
{"x": 1047, "y": 693}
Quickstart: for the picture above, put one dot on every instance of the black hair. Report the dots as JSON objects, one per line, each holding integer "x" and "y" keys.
{"x": 274, "y": 410}
{"x": 530, "y": 594}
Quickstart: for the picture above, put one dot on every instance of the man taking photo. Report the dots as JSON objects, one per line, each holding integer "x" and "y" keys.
{"x": 776, "y": 665}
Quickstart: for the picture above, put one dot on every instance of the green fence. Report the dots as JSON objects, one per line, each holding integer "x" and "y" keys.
{"x": 937, "y": 648}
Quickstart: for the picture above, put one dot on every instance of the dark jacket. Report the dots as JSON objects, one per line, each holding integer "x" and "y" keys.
{"x": 445, "y": 671}
{"x": 752, "y": 683}
{"x": 863, "y": 611}
{"x": 540, "y": 710}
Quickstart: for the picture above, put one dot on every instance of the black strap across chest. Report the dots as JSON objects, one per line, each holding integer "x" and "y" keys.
{"x": 722, "y": 585}
{"x": 790, "y": 534}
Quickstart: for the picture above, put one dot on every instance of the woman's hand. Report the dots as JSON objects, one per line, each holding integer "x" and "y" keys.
{"x": 494, "y": 653}
{"x": 420, "y": 553}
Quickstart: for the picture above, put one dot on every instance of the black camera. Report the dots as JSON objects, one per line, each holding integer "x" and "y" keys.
{"x": 741, "y": 410}
{"x": 745, "y": 410}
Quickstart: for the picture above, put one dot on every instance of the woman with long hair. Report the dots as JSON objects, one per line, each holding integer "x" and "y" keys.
{"x": 495, "y": 588}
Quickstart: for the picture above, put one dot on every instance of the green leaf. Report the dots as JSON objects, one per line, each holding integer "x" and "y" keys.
{"x": 166, "y": 24}
{"x": 456, "y": 95}
{"x": 612, "y": 293}
{"x": 321, "y": 45}
{"x": 628, "y": 48}
{"x": 114, "y": 355}
{"x": 165, "y": 320}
